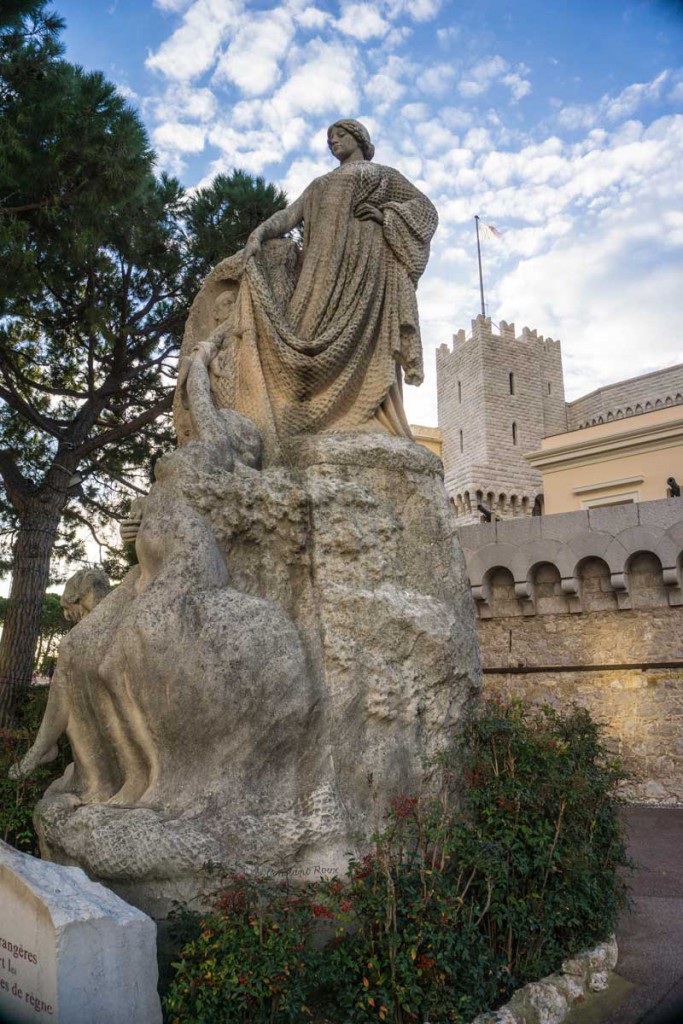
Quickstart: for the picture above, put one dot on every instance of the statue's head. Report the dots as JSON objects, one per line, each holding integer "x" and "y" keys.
{"x": 342, "y": 133}
{"x": 82, "y": 592}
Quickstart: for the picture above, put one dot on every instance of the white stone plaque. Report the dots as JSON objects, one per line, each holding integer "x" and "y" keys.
{"x": 71, "y": 951}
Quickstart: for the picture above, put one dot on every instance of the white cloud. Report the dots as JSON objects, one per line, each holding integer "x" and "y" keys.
{"x": 456, "y": 117}
{"x": 477, "y": 138}
{"x": 181, "y": 100}
{"x": 519, "y": 87}
{"x": 434, "y": 138}
{"x": 387, "y": 86}
{"x": 172, "y": 6}
{"x": 633, "y": 96}
{"x": 415, "y": 111}
{"x": 192, "y": 48}
{"x": 362, "y": 21}
{"x": 612, "y": 108}
{"x": 252, "y": 60}
{"x": 253, "y": 150}
{"x": 480, "y": 77}
{"x": 436, "y": 81}
{"x": 325, "y": 82}
{"x": 312, "y": 18}
{"x": 128, "y": 94}
{"x": 302, "y": 172}
{"x": 446, "y": 36}
{"x": 419, "y": 10}
{"x": 181, "y": 138}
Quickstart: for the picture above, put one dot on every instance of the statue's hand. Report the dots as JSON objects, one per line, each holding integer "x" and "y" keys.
{"x": 252, "y": 247}
{"x": 205, "y": 352}
{"x": 366, "y": 211}
{"x": 413, "y": 375}
{"x": 128, "y": 529}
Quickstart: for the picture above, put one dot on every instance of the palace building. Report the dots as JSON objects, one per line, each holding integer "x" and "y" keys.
{"x": 571, "y": 523}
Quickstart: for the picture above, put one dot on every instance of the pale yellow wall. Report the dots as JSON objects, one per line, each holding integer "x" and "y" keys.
{"x": 624, "y": 460}
{"x": 428, "y": 437}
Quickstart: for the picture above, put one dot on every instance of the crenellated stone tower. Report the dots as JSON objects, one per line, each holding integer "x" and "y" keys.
{"x": 498, "y": 396}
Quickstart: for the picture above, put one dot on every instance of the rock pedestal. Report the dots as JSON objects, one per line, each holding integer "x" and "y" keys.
{"x": 296, "y": 642}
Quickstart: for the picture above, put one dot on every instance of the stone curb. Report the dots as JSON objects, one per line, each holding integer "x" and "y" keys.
{"x": 549, "y": 1000}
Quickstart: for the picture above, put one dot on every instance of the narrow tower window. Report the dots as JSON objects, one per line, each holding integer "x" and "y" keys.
{"x": 459, "y": 391}
{"x": 461, "y": 442}
{"x": 549, "y": 388}
{"x": 514, "y": 433}
{"x": 512, "y": 382}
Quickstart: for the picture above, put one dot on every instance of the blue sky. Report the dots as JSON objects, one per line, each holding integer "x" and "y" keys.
{"x": 558, "y": 121}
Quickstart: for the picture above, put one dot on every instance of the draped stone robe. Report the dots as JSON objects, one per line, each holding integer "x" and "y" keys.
{"x": 316, "y": 339}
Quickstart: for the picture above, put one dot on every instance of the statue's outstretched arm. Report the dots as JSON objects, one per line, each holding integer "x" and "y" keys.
{"x": 275, "y": 227}
{"x": 53, "y": 725}
{"x": 205, "y": 417}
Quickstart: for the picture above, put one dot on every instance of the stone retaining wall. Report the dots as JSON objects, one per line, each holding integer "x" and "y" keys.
{"x": 586, "y": 607}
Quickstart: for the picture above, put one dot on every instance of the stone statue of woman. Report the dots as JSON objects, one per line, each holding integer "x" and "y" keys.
{"x": 316, "y": 339}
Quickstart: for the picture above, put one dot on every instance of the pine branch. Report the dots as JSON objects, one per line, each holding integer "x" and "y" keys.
{"x": 85, "y": 522}
{"x": 55, "y": 200}
{"x": 126, "y": 429}
{"x": 10, "y": 368}
{"x": 108, "y": 471}
{"x": 112, "y": 385}
{"x": 17, "y": 485}
{"x": 15, "y": 401}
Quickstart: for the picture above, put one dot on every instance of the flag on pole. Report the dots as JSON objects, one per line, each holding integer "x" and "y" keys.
{"x": 489, "y": 231}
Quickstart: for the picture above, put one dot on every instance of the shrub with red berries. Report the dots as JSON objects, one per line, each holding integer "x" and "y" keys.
{"x": 487, "y": 881}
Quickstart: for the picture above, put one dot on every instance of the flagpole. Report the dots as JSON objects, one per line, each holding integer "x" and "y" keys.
{"x": 481, "y": 276}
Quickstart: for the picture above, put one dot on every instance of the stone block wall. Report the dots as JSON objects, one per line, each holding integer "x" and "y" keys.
{"x": 641, "y": 711}
{"x": 627, "y": 398}
{"x": 498, "y": 396}
{"x": 588, "y": 607}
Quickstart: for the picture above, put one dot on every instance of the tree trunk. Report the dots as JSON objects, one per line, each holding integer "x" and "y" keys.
{"x": 30, "y": 577}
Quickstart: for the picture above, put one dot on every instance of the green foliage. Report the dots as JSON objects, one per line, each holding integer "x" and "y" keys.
{"x": 252, "y": 958}
{"x": 459, "y": 902}
{"x": 101, "y": 258}
{"x": 221, "y": 216}
{"x": 18, "y": 798}
{"x": 53, "y": 626}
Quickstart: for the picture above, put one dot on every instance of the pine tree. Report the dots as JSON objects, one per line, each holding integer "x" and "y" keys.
{"x": 100, "y": 261}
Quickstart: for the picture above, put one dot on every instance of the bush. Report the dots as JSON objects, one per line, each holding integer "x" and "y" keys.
{"x": 459, "y": 902}
{"x": 252, "y": 958}
{"x": 19, "y": 797}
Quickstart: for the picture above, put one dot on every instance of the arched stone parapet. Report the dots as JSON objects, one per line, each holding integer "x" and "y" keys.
{"x": 655, "y": 527}
{"x": 491, "y": 556}
{"x": 639, "y": 538}
{"x": 617, "y": 553}
{"x": 530, "y": 554}
{"x": 582, "y": 546}
{"x": 545, "y": 588}
{"x": 497, "y": 595}
{"x": 626, "y": 544}
{"x": 596, "y": 591}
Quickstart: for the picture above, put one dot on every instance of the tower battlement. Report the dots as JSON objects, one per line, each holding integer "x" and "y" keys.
{"x": 483, "y": 329}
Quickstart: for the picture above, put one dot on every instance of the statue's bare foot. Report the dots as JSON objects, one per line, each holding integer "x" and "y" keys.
{"x": 32, "y": 760}
{"x": 128, "y": 795}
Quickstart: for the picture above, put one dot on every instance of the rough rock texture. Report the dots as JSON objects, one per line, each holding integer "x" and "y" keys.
{"x": 549, "y": 1001}
{"x": 299, "y": 635}
{"x": 294, "y": 643}
{"x": 70, "y": 950}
